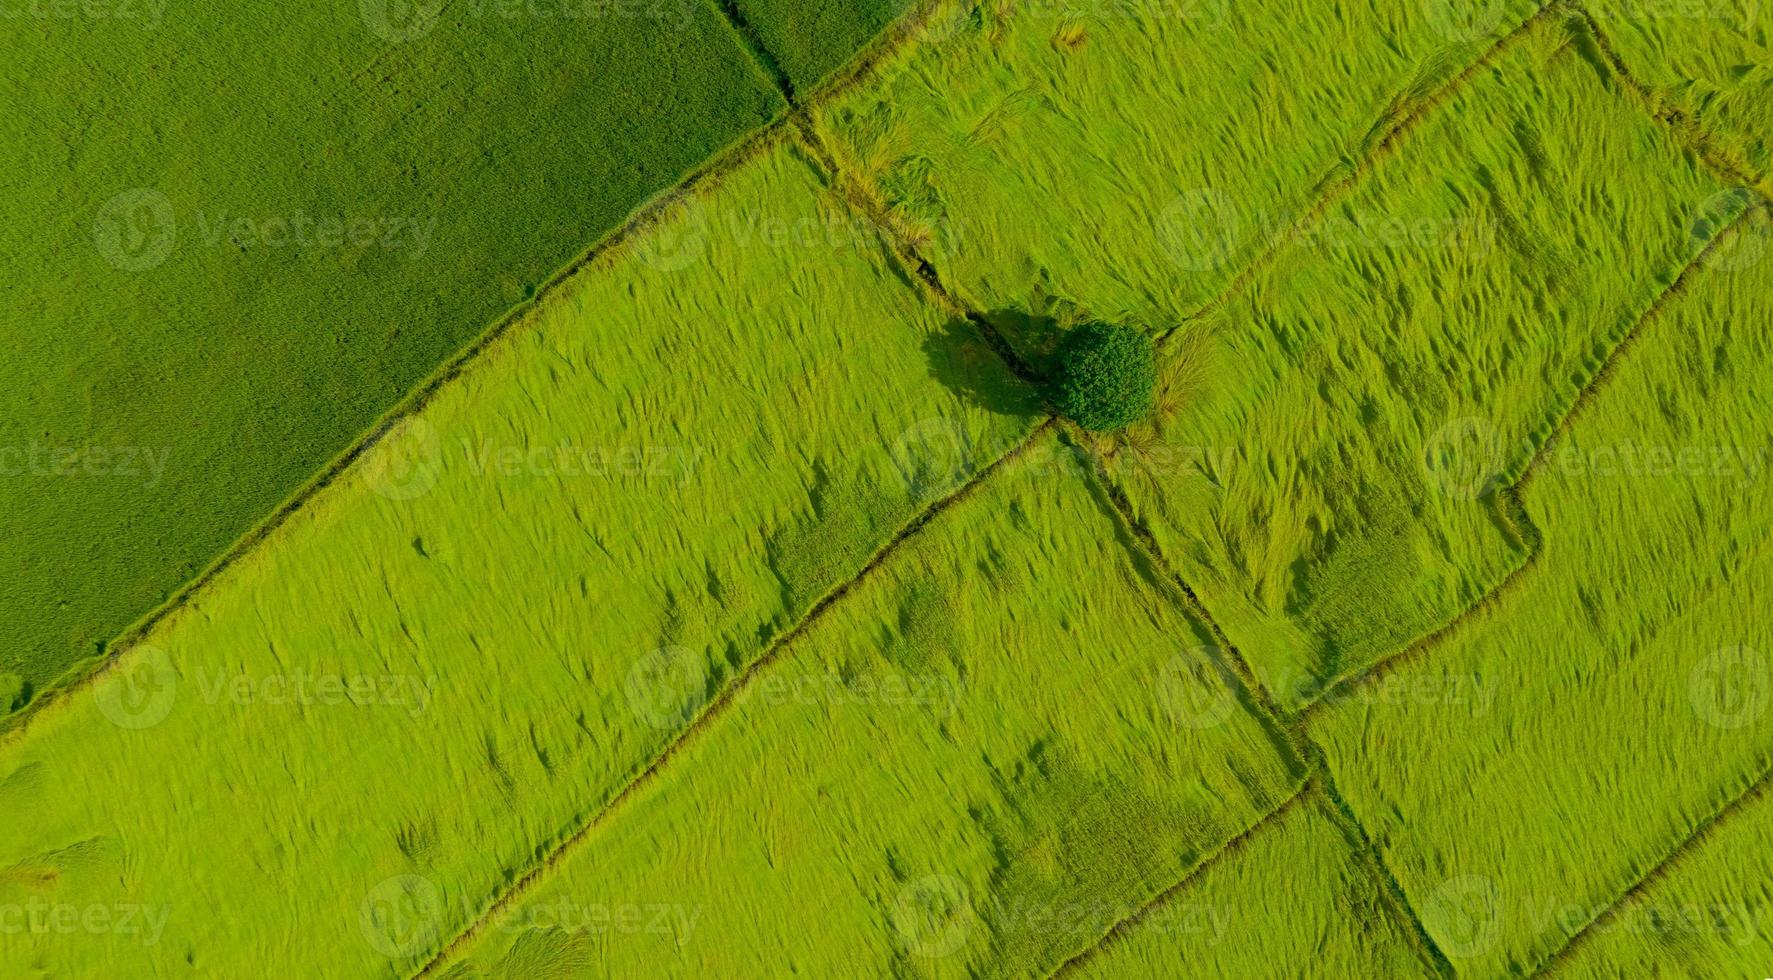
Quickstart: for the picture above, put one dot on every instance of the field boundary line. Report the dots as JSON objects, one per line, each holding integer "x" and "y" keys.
{"x": 702, "y": 179}
{"x": 1140, "y": 533}
{"x": 762, "y": 58}
{"x": 1757, "y": 788}
{"x": 1512, "y": 509}
{"x": 1334, "y": 190}
{"x": 698, "y": 180}
{"x": 861, "y": 198}
{"x": 1373, "y": 860}
{"x": 1692, "y": 135}
{"x": 715, "y": 709}
{"x": 1120, "y": 929}
{"x": 1307, "y": 755}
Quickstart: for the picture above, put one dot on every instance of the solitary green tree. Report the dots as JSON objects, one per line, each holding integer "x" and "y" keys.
{"x": 1105, "y": 376}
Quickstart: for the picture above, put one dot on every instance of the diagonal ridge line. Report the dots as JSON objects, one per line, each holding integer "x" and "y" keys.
{"x": 1225, "y": 852}
{"x": 1689, "y": 844}
{"x": 717, "y": 708}
{"x": 1336, "y": 189}
{"x": 1692, "y": 135}
{"x": 1512, "y": 507}
{"x": 1271, "y": 717}
{"x": 710, "y": 173}
{"x": 1141, "y": 532}
{"x": 1377, "y": 867}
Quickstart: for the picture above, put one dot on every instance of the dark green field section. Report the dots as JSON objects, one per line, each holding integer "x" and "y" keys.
{"x": 233, "y": 241}
{"x": 809, "y": 39}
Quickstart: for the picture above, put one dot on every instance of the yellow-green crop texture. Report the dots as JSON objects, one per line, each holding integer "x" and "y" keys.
{"x": 230, "y": 243}
{"x": 1164, "y": 142}
{"x": 997, "y": 746}
{"x": 1484, "y": 265}
{"x": 547, "y": 566}
{"x": 1709, "y": 61}
{"x": 1330, "y": 471}
{"x": 741, "y": 608}
{"x": 1615, "y": 696}
{"x": 1297, "y": 897}
{"x": 1709, "y": 915}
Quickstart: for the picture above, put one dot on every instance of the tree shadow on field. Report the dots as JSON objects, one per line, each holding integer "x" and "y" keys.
{"x": 1034, "y": 336}
{"x": 967, "y": 362}
{"x": 964, "y": 362}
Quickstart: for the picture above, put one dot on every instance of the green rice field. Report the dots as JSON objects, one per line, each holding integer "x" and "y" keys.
{"x": 1001, "y": 839}
{"x": 207, "y": 299}
{"x": 1227, "y": 919}
{"x": 520, "y": 490}
{"x": 1643, "y": 708}
{"x": 644, "y": 488}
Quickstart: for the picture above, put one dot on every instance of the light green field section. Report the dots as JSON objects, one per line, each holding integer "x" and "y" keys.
{"x": 1295, "y": 899}
{"x": 1326, "y": 471}
{"x": 1482, "y": 268}
{"x": 230, "y": 244}
{"x": 1129, "y": 158}
{"x": 1710, "y": 60}
{"x": 464, "y": 646}
{"x": 1061, "y": 757}
{"x": 1710, "y": 916}
{"x": 1618, "y": 698}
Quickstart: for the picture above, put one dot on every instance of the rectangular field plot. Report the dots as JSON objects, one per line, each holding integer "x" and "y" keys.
{"x": 1481, "y": 270}
{"x": 1325, "y": 468}
{"x": 1295, "y": 893}
{"x": 221, "y": 261}
{"x": 1624, "y": 685}
{"x": 1129, "y": 158}
{"x": 995, "y": 747}
{"x": 436, "y": 670}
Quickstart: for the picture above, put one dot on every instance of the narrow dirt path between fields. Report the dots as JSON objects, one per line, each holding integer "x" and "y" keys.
{"x": 714, "y": 711}
{"x": 1292, "y": 735}
{"x": 1335, "y": 190}
{"x": 1229, "y": 850}
{"x": 1511, "y": 503}
{"x": 1757, "y": 789}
